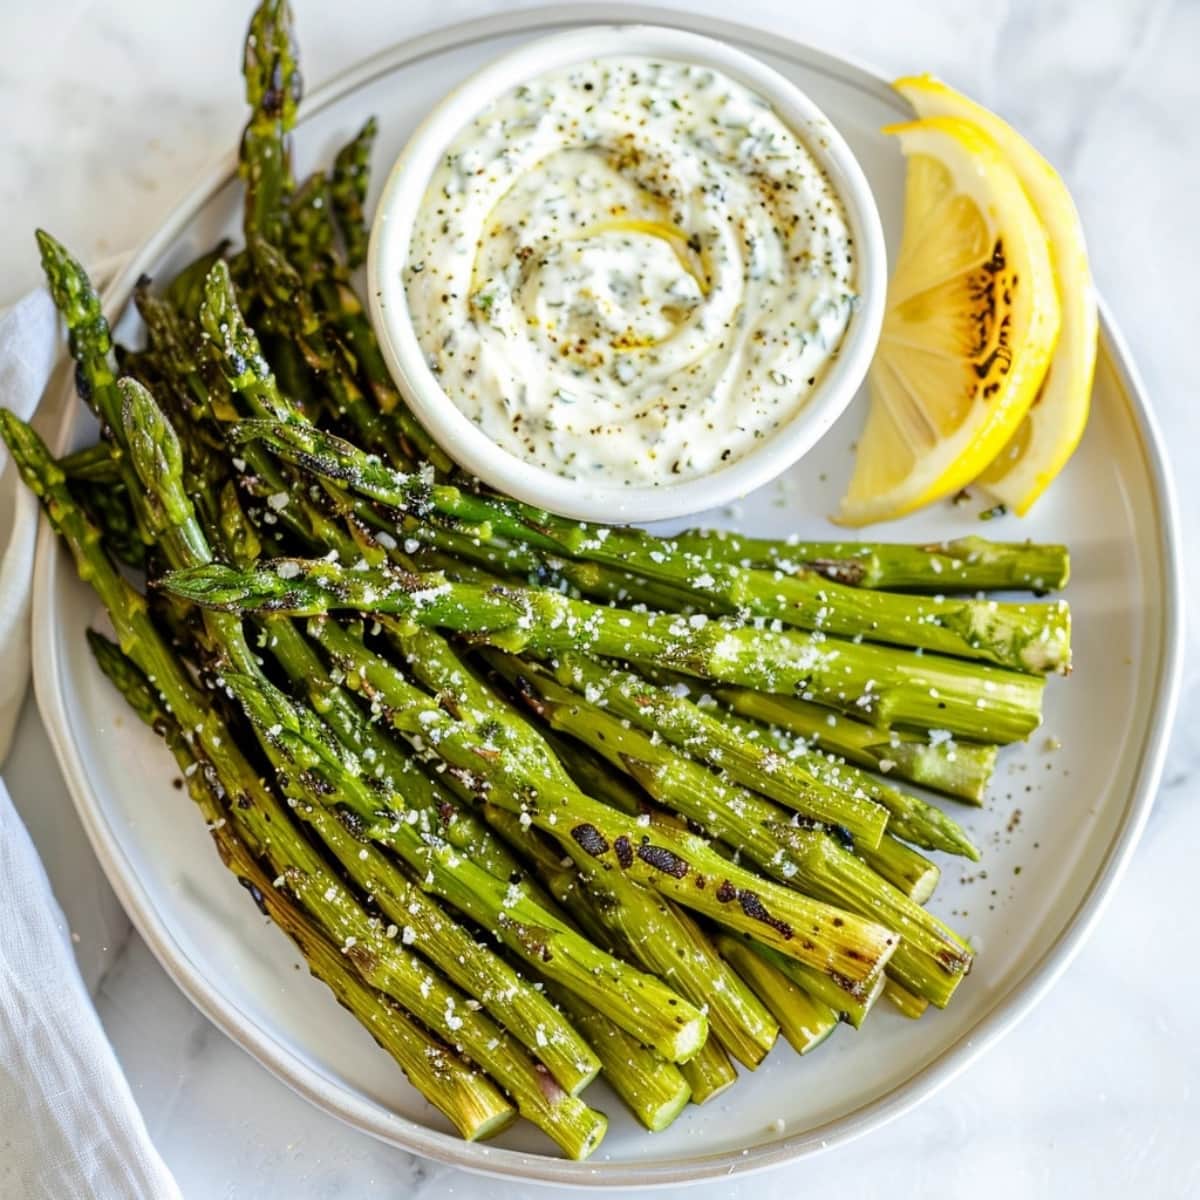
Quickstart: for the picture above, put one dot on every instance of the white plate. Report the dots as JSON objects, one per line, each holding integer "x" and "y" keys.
{"x": 1028, "y": 906}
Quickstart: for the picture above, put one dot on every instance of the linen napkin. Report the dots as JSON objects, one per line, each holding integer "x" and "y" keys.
{"x": 69, "y": 1127}
{"x": 29, "y": 345}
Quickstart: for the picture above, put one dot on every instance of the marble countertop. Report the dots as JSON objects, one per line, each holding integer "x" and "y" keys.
{"x": 114, "y": 110}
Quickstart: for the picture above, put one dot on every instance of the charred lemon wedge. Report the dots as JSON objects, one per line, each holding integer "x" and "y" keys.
{"x": 1051, "y": 429}
{"x": 972, "y": 320}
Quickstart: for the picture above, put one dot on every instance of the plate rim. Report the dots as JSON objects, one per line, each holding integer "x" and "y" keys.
{"x": 408, "y": 1134}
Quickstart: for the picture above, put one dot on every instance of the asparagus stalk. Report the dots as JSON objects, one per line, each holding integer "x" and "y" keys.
{"x": 468, "y": 1099}
{"x": 92, "y": 464}
{"x": 314, "y": 209}
{"x": 351, "y": 174}
{"x": 495, "y": 561}
{"x": 108, "y": 506}
{"x": 307, "y": 671}
{"x": 220, "y": 318}
{"x": 266, "y": 828}
{"x": 519, "y": 1007}
{"x": 969, "y": 564}
{"x": 1026, "y": 637}
{"x": 816, "y": 986}
{"x": 680, "y": 865}
{"x": 91, "y": 346}
{"x": 440, "y": 815}
{"x": 906, "y": 1002}
{"x": 852, "y": 812}
{"x": 648, "y": 929}
{"x": 652, "y": 1088}
{"x": 804, "y": 1022}
{"x": 931, "y": 957}
{"x": 686, "y": 726}
{"x": 887, "y": 685}
{"x": 710, "y": 1072}
{"x": 959, "y": 769}
{"x": 903, "y": 867}
{"x": 597, "y": 778}
{"x": 270, "y": 67}
{"x": 186, "y": 291}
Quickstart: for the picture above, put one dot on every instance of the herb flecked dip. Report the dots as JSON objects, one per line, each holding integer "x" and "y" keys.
{"x": 630, "y": 267}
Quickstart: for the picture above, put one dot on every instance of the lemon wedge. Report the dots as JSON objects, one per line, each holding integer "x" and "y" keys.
{"x": 972, "y": 319}
{"x": 1051, "y": 430}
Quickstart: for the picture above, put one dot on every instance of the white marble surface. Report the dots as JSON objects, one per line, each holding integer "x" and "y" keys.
{"x": 114, "y": 108}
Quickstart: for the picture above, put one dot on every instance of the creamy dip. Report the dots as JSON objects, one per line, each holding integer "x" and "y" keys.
{"x": 630, "y": 269}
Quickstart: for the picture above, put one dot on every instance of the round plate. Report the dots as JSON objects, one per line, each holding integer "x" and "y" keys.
{"x": 1065, "y": 812}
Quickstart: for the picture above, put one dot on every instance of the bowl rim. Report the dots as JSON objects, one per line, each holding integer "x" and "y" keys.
{"x": 461, "y": 438}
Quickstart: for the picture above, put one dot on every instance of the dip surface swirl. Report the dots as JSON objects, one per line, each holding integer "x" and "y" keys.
{"x": 631, "y": 268}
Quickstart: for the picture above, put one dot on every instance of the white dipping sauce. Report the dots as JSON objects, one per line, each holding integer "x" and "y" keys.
{"x": 630, "y": 269}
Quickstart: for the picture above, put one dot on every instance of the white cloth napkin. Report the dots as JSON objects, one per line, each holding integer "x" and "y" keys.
{"x": 69, "y": 1127}
{"x": 29, "y": 344}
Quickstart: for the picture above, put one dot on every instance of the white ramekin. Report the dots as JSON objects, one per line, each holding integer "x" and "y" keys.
{"x": 469, "y": 446}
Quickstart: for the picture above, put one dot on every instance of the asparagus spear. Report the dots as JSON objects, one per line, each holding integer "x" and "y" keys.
{"x": 351, "y": 173}
{"x": 307, "y": 671}
{"x": 688, "y": 727}
{"x": 817, "y": 986}
{"x": 468, "y": 1099}
{"x": 960, "y": 769}
{"x": 887, "y": 685}
{"x": 908, "y": 1004}
{"x": 969, "y": 564}
{"x": 668, "y": 943}
{"x": 310, "y": 251}
{"x": 859, "y": 815}
{"x": 92, "y": 464}
{"x": 220, "y": 318}
{"x": 805, "y": 1022}
{"x": 440, "y": 815}
{"x": 652, "y": 1088}
{"x": 710, "y": 1072}
{"x": 903, "y": 867}
{"x": 1027, "y": 637}
{"x": 520, "y": 1008}
{"x": 264, "y": 825}
{"x": 185, "y": 292}
{"x": 108, "y": 506}
{"x": 273, "y": 88}
{"x": 597, "y": 778}
{"x": 437, "y": 813}
{"x": 515, "y": 915}
{"x": 495, "y": 561}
